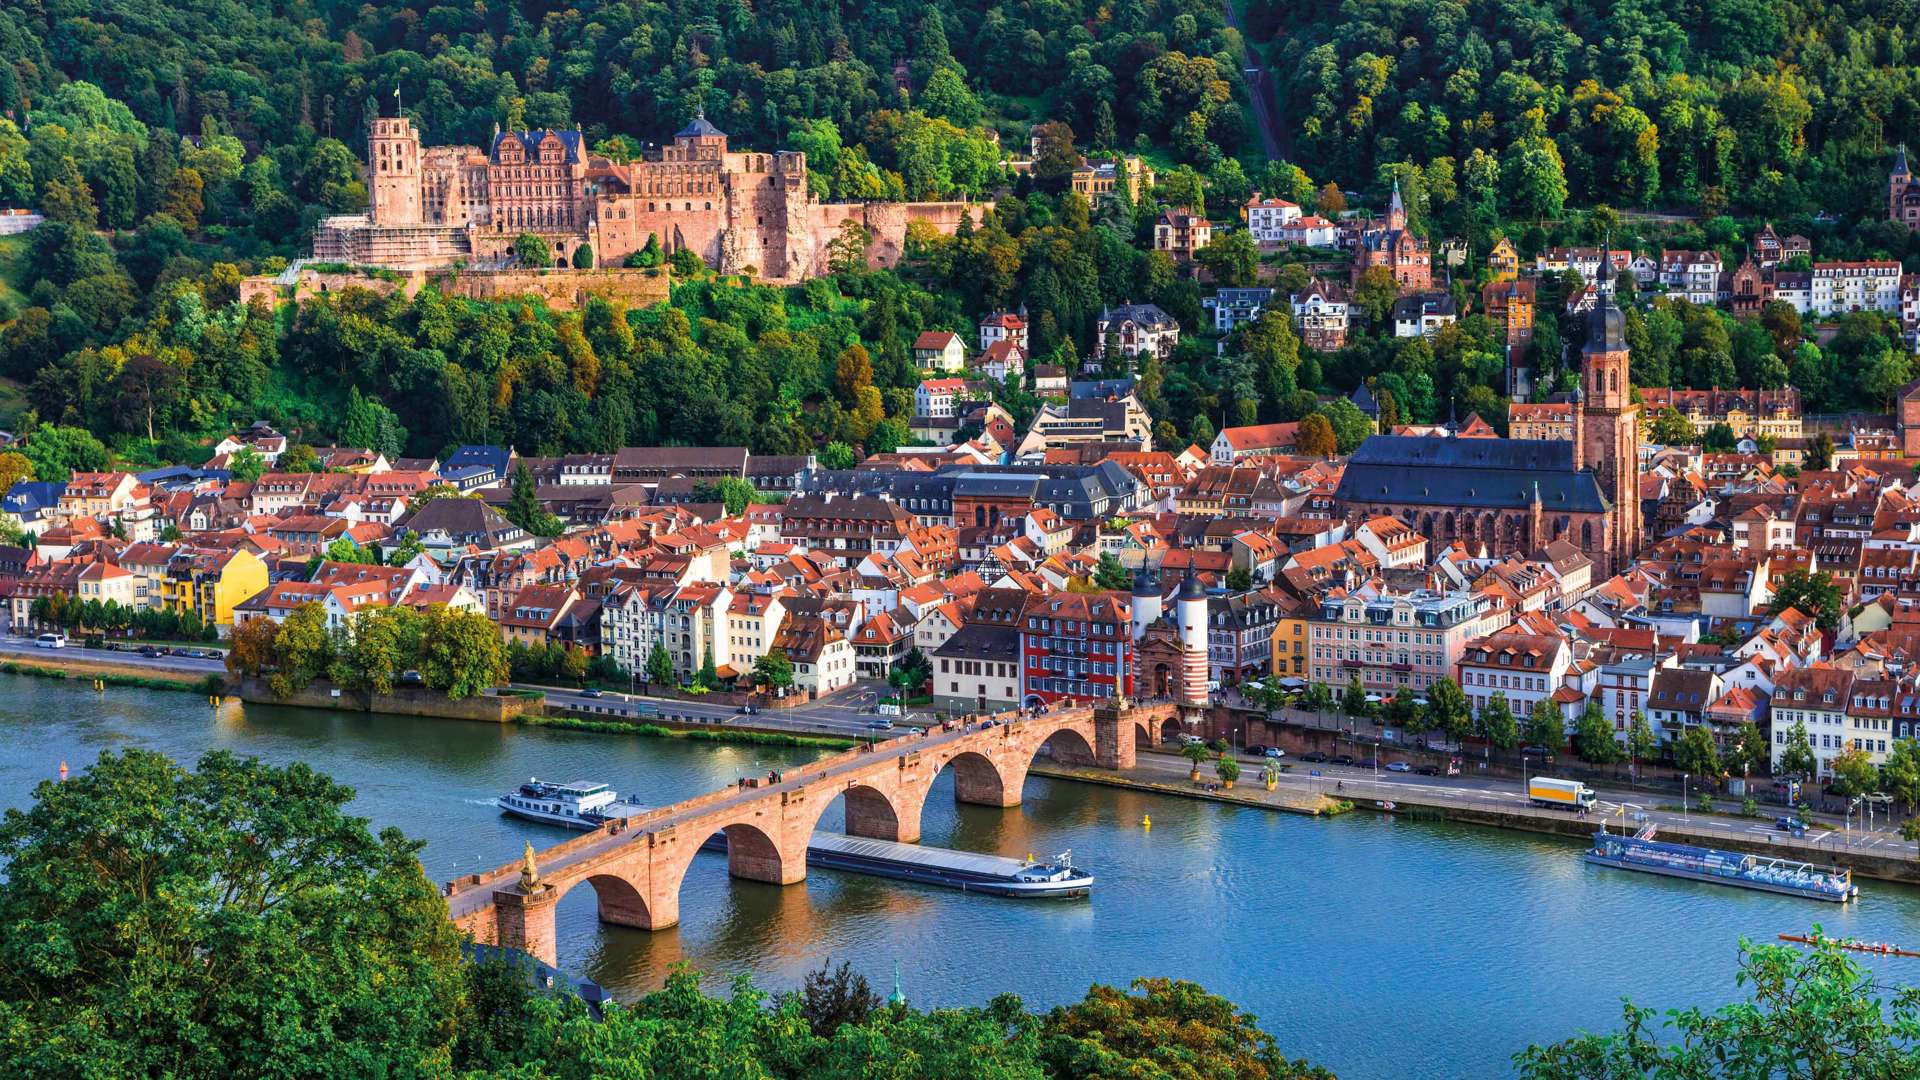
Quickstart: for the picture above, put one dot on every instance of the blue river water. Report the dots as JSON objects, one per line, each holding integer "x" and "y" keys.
{"x": 1380, "y": 948}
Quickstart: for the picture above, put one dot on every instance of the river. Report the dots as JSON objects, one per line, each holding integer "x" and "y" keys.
{"x": 1376, "y": 947}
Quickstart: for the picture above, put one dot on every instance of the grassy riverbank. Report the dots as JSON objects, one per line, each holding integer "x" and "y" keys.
{"x": 699, "y": 734}
{"x": 113, "y": 674}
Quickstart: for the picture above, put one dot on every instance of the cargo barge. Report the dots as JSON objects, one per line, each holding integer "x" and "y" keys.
{"x": 1643, "y": 853}
{"x": 997, "y": 875}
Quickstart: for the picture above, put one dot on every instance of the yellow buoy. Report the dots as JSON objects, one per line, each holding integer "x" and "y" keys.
{"x": 1146, "y": 821}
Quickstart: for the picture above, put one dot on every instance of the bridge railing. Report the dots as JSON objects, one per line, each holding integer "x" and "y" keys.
{"x": 1010, "y": 718}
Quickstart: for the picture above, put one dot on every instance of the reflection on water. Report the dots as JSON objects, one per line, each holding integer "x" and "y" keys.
{"x": 1359, "y": 941}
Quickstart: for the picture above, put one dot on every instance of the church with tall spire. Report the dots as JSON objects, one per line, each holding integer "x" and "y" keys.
{"x": 1395, "y": 247}
{"x": 1903, "y": 192}
{"x": 1515, "y": 496}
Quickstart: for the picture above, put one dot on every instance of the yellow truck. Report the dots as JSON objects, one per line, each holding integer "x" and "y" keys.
{"x": 1565, "y": 794}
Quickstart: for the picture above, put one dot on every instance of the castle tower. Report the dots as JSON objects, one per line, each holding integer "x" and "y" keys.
{"x": 1396, "y": 209}
{"x": 1609, "y": 441}
{"x": 393, "y": 172}
{"x": 1190, "y": 611}
{"x": 1146, "y": 601}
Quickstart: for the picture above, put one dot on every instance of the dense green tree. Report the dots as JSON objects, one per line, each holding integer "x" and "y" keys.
{"x": 230, "y": 920}
{"x": 302, "y": 649}
{"x": 1813, "y": 594}
{"x": 524, "y": 508}
{"x": 660, "y": 666}
{"x": 1110, "y": 574}
{"x": 1798, "y": 757}
{"x": 1854, "y": 772}
{"x": 1808, "y": 1014}
{"x": 1448, "y": 708}
{"x": 57, "y": 452}
{"x": 1642, "y": 743}
{"x": 460, "y": 652}
{"x": 1593, "y": 738}
{"x": 1496, "y": 723}
{"x": 1546, "y": 728}
{"x": 1166, "y": 1028}
{"x": 531, "y": 251}
{"x": 1230, "y": 256}
{"x": 1694, "y": 752}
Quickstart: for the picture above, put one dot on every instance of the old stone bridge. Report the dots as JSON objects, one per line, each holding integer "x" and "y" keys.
{"x": 636, "y": 864}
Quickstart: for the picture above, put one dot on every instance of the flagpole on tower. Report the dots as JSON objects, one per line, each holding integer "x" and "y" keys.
{"x": 399, "y": 106}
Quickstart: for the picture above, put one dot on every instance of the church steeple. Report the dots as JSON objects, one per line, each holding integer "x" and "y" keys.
{"x": 1607, "y": 428}
{"x": 1899, "y": 182}
{"x": 1396, "y": 208}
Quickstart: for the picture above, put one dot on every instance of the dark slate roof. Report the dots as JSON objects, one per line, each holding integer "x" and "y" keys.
{"x": 1100, "y": 388}
{"x": 1076, "y": 487}
{"x": 1607, "y": 327}
{"x": 1480, "y": 473}
{"x": 996, "y": 485}
{"x": 530, "y": 142}
{"x": 699, "y": 128}
{"x": 29, "y": 496}
{"x": 982, "y": 641}
{"x": 466, "y": 457}
{"x": 467, "y": 519}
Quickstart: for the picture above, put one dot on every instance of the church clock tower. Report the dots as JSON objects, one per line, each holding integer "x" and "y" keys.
{"x": 1609, "y": 432}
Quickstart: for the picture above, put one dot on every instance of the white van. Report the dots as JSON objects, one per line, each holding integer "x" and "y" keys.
{"x": 51, "y": 641}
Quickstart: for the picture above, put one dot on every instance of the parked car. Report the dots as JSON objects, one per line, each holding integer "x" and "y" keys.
{"x": 410, "y": 677}
{"x": 1399, "y": 766}
{"x": 1427, "y": 770}
{"x": 1274, "y": 753}
{"x": 148, "y": 650}
{"x": 51, "y": 641}
{"x": 1256, "y": 750}
{"x": 1534, "y": 751}
{"x": 1341, "y": 759}
{"x": 1314, "y": 756}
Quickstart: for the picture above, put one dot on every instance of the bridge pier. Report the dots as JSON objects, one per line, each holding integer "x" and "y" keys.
{"x": 871, "y": 814}
{"x": 755, "y": 856}
{"x": 1113, "y": 736}
{"x": 525, "y": 921}
{"x": 978, "y": 781}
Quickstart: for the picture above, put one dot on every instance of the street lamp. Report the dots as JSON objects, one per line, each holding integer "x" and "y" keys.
{"x": 1683, "y": 796}
{"x": 1523, "y": 771}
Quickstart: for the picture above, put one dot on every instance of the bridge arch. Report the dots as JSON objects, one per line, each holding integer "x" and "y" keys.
{"x": 618, "y": 900}
{"x": 1144, "y": 735}
{"x": 887, "y": 808}
{"x": 757, "y": 856}
{"x": 1068, "y": 746}
{"x": 978, "y": 778}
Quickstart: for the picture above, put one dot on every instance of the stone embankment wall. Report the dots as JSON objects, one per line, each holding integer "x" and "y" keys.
{"x": 493, "y": 708}
{"x": 560, "y": 289}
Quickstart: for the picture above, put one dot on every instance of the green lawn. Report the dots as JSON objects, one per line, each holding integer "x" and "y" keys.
{"x": 13, "y": 401}
{"x": 13, "y": 268}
